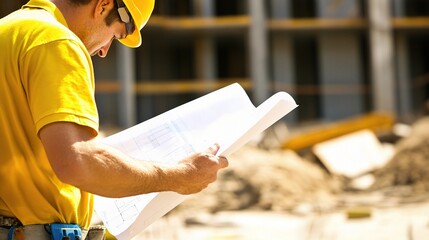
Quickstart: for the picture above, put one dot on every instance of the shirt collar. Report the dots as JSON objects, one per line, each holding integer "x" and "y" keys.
{"x": 48, "y": 6}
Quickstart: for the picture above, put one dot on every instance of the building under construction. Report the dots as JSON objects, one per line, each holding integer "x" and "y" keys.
{"x": 337, "y": 58}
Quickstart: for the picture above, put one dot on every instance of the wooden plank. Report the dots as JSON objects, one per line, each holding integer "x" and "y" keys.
{"x": 285, "y": 24}
{"x": 110, "y": 86}
{"x": 410, "y": 23}
{"x": 377, "y": 122}
{"x": 317, "y": 24}
{"x": 107, "y": 86}
{"x": 313, "y": 89}
{"x": 185, "y": 87}
{"x": 198, "y": 23}
{"x": 171, "y": 87}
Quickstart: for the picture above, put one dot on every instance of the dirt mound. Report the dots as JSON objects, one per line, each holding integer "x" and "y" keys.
{"x": 264, "y": 179}
{"x": 282, "y": 180}
{"x": 410, "y": 165}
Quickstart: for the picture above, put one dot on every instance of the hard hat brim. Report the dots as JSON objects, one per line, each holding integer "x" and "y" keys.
{"x": 133, "y": 40}
{"x": 140, "y": 11}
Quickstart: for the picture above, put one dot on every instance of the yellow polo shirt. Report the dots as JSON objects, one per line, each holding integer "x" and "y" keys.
{"x": 46, "y": 76}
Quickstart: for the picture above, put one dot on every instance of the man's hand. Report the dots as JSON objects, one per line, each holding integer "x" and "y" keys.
{"x": 198, "y": 170}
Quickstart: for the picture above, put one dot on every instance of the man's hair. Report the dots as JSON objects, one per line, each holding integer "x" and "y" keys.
{"x": 112, "y": 16}
{"x": 79, "y": 2}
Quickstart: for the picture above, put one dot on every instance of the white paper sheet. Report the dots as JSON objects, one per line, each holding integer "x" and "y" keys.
{"x": 226, "y": 116}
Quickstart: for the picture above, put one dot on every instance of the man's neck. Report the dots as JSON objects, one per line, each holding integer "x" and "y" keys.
{"x": 76, "y": 16}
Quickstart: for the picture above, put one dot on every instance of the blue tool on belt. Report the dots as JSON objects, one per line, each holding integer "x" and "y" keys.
{"x": 61, "y": 231}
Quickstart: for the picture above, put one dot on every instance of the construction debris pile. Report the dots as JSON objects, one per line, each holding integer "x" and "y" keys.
{"x": 410, "y": 165}
{"x": 267, "y": 180}
{"x": 284, "y": 180}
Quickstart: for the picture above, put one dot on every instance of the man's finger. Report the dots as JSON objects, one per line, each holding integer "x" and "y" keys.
{"x": 213, "y": 149}
{"x": 223, "y": 162}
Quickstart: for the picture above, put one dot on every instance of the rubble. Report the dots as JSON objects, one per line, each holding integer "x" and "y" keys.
{"x": 266, "y": 180}
{"x": 260, "y": 178}
{"x": 354, "y": 154}
{"x": 410, "y": 165}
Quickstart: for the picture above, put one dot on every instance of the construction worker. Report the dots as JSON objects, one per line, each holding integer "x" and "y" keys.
{"x": 50, "y": 160}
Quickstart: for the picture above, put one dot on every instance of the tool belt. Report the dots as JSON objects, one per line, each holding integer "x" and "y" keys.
{"x": 12, "y": 229}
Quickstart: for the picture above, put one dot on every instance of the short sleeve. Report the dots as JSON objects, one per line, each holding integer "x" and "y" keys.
{"x": 59, "y": 82}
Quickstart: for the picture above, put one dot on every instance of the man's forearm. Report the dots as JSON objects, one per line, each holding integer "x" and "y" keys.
{"x": 79, "y": 159}
{"x": 105, "y": 171}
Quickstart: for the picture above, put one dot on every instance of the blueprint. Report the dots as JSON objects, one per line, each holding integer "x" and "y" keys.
{"x": 226, "y": 116}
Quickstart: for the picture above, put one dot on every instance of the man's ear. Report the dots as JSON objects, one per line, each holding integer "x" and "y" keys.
{"x": 103, "y": 7}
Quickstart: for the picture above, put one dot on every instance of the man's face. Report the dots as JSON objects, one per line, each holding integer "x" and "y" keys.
{"x": 98, "y": 37}
{"x": 102, "y": 38}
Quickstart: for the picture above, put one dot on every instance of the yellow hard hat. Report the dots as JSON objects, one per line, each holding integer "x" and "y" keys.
{"x": 140, "y": 11}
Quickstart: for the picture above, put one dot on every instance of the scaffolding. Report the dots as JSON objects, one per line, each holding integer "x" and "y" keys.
{"x": 337, "y": 58}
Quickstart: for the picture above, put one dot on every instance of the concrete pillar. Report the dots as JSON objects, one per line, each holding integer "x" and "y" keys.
{"x": 127, "y": 78}
{"x": 282, "y": 54}
{"x": 338, "y": 9}
{"x": 405, "y": 101}
{"x": 339, "y": 62}
{"x": 281, "y": 9}
{"x": 145, "y": 102}
{"x": 398, "y": 8}
{"x": 381, "y": 48}
{"x": 204, "y": 8}
{"x": 340, "y": 65}
{"x": 205, "y": 52}
{"x": 258, "y": 51}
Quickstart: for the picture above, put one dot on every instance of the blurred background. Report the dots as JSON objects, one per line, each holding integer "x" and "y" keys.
{"x": 354, "y": 149}
{"x": 333, "y": 57}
